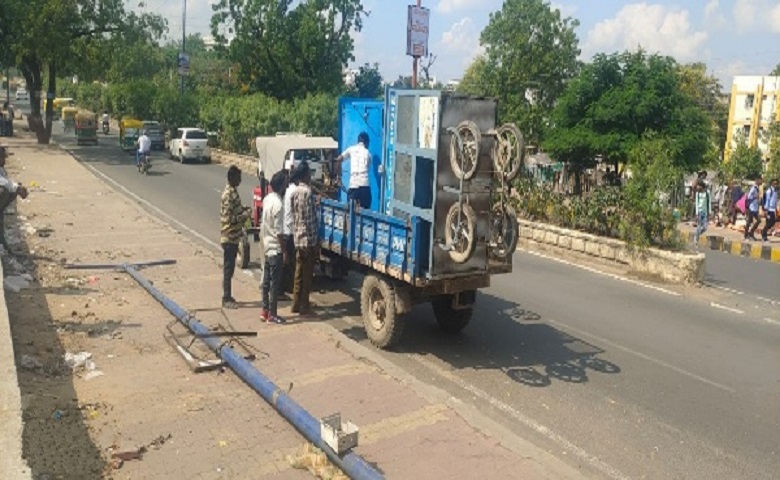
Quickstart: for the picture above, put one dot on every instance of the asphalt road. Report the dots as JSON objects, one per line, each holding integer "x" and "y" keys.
{"x": 622, "y": 378}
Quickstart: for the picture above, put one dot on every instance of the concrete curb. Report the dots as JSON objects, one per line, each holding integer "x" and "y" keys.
{"x": 739, "y": 248}
{"x": 12, "y": 465}
{"x": 672, "y": 267}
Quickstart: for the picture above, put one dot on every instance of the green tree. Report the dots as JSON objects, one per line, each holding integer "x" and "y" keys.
{"x": 773, "y": 139}
{"x": 776, "y": 71}
{"x": 705, "y": 90}
{"x": 476, "y": 78}
{"x": 529, "y": 47}
{"x": 616, "y": 101}
{"x": 745, "y": 162}
{"x": 402, "y": 82}
{"x": 285, "y": 51}
{"x": 44, "y": 36}
{"x": 368, "y": 82}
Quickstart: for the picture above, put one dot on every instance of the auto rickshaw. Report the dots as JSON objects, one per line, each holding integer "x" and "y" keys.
{"x": 129, "y": 131}
{"x": 86, "y": 127}
{"x": 69, "y": 118}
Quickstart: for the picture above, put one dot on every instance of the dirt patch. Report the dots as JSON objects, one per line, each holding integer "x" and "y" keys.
{"x": 56, "y": 437}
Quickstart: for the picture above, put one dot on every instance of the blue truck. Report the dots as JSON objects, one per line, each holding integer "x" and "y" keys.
{"x": 440, "y": 223}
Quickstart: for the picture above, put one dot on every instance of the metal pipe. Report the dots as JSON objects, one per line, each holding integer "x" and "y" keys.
{"x": 110, "y": 266}
{"x": 351, "y": 463}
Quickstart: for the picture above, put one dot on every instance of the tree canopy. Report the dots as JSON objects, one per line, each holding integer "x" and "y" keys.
{"x": 529, "y": 48}
{"x": 288, "y": 51}
{"x": 368, "y": 82}
{"x": 618, "y": 99}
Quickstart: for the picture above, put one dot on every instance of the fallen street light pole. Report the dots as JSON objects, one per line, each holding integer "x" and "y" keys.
{"x": 350, "y": 463}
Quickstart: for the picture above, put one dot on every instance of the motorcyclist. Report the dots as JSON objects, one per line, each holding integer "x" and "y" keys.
{"x": 144, "y": 147}
{"x": 105, "y": 120}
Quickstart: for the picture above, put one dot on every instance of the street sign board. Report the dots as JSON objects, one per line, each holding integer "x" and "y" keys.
{"x": 417, "y": 31}
{"x": 184, "y": 64}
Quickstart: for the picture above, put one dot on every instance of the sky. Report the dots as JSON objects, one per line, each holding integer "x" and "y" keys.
{"x": 733, "y": 37}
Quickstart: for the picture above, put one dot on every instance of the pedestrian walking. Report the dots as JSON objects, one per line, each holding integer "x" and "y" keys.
{"x": 289, "y": 265}
{"x": 702, "y": 204}
{"x": 271, "y": 231}
{"x": 770, "y": 209}
{"x": 306, "y": 238}
{"x": 736, "y": 195}
{"x": 359, "y": 161}
{"x": 233, "y": 218}
{"x": 9, "y": 191}
{"x": 752, "y": 203}
{"x": 718, "y": 197}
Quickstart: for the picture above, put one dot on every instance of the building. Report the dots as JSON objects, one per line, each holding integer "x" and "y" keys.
{"x": 754, "y": 105}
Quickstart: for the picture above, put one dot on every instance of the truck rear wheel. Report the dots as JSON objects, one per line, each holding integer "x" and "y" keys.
{"x": 451, "y": 319}
{"x": 383, "y": 325}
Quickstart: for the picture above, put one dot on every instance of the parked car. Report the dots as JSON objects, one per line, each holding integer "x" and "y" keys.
{"x": 155, "y": 133}
{"x": 189, "y": 144}
{"x": 21, "y": 94}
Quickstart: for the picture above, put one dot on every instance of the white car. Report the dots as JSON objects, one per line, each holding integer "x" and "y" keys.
{"x": 21, "y": 94}
{"x": 190, "y": 144}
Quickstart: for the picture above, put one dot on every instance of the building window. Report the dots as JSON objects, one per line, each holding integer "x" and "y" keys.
{"x": 746, "y": 130}
{"x": 749, "y": 101}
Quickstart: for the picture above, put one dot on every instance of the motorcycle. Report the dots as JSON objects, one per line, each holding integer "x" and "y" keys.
{"x": 105, "y": 128}
{"x": 144, "y": 163}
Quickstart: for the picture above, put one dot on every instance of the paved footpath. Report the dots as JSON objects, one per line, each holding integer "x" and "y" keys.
{"x": 208, "y": 425}
{"x": 731, "y": 240}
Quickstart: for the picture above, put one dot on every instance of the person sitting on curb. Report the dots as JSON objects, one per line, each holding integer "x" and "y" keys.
{"x": 9, "y": 190}
{"x": 275, "y": 249}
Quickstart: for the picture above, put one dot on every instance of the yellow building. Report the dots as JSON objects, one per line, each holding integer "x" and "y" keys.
{"x": 755, "y": 104}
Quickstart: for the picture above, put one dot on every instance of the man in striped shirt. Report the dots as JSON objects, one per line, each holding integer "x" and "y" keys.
{"x": 306, "y": 239}
{"x": 233, "y": 217}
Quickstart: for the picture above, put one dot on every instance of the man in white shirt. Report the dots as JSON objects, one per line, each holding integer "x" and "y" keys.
{"x": 289, "y": 243}
{"x": 271, "y": 230}
{"x": 359, "y": 163}
{"x": 9, "y": 190}
{"x": 144, "y": 147}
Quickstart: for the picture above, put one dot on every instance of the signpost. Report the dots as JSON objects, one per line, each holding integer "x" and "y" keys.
{"x": 417, "y": 30}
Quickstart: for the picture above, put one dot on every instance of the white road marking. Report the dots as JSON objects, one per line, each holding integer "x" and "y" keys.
{"x": 140, "y": 200}
{"x": 728, "y": 309}
{"x": 725, "y": 289}
{"x": 642, "y": 356}
{"x": 599, "y": 272}
{"x": 772, "y": 321}
{"x": 770, "y": 301}
{"x": 590, "y": 459}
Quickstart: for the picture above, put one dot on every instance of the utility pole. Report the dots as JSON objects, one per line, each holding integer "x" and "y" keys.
{"x": 415, "y": 61}
{"x": 183, "y": 43}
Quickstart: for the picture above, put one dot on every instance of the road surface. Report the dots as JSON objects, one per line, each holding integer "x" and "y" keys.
{"x": 622, "y": 378}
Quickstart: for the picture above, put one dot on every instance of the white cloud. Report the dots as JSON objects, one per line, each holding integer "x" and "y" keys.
{"x": 461, "y": 41}
{"x": 447, "y": 6}
{"x": 654, "y": 27}
{"x": 757, "y": 15}
{"x": 774, "y": 19}
{"x": 745, "y": 13}
{"x": 711, "y": 8}
{"x": 712, "y": 14}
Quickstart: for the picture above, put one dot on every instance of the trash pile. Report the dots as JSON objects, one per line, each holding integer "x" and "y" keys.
{"x": 316, "y": 462}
